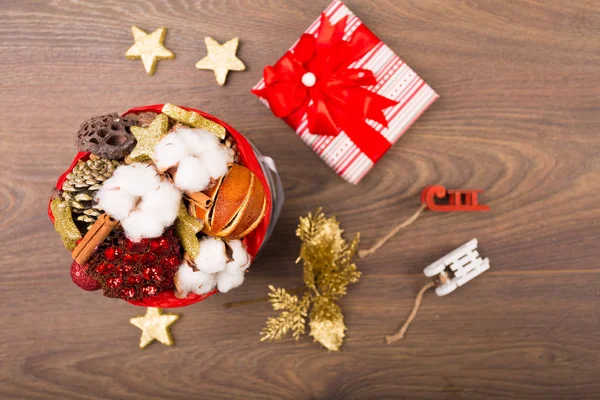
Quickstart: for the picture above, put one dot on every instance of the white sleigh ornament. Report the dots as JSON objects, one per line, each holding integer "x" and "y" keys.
{"x": 457, "y": 268}
{"x": 448, "y": 273}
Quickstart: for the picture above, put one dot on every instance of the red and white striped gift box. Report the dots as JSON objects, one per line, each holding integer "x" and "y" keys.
{"x": 394, "y": 80}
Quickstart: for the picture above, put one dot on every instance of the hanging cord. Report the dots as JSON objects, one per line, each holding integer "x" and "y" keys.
{"x": 383, "y": 240}
{"x": 400, "y": 334}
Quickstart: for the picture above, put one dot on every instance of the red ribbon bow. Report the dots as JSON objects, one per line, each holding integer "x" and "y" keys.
{"x": 315, "y": 80}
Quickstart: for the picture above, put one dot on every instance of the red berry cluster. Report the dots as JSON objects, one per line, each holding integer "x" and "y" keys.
{"x": 132, "y": 271}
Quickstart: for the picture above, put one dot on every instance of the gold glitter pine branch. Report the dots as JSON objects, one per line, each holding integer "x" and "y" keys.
{"x": 327, "y": 271}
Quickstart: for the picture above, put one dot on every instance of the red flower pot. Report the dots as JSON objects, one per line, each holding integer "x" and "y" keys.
{"x": 253, "y": 241}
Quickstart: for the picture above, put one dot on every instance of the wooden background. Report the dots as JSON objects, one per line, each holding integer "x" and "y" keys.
{"x": 518, "y": 116}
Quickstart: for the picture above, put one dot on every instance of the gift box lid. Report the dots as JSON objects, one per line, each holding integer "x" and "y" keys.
{"x": 345, "y": 93}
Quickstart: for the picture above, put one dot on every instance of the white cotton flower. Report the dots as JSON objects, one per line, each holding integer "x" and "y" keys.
{"x": 198, "y": 156}
{"x": 138, "y": 177}
{"x": 155, "y": 203}
{"x": 140, "y": 199}
{"x": 187, "y": 280}
{"x": 240, "y": 259}
{"x": 198, "y": 141}
{"x": 139, "y": 225}
{"x": 169, "y": 151}
{"x": 191, "y": 176}
{"x": 114, "y": 201}
{"x": 227, "y": 281}
{"x": 216, "y": 161}
{"x": 213, "y": 268}
{"x": 211, "y": 256}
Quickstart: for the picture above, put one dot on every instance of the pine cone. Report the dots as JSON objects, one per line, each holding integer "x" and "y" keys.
{"x": 230, "y": 142}
{"x": 145, "y": 118}
{"x": 80, "y": 188}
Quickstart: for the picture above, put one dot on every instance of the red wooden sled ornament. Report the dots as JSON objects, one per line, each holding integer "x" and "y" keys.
{"x": 451, "y": 200}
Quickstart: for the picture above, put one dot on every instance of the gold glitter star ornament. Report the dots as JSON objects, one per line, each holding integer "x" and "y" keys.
{"x": 149, "y": 47}
{"x": 221, "y": 58}
{"x": 147, "y": 138}
{"x": 155, "y": 326}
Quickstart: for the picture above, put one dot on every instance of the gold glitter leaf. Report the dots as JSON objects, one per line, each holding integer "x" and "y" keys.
{"x": 194, "y": 120}
{"x": 186, "y": 228}
{"x": 63, "y": 223}
{"x": 147, "y": 138}
{"x": 329, "y": 331}
{"x": 328, "y": 270}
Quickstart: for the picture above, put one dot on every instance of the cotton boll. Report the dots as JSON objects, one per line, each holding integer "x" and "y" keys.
{"x": 198, "y": 282}
{"x": 198, "y": 141}
{"x": 162, "y": 203}
{"x": 141, "y": 225}
{"x": 207, "y": 284}
{"x": 169, "y": 151}
{"x": 227, "y": 281}
{"x": 211, "y": 256}
{"x": 191, "y": 176}
{"x": 137, "y": 196}
{"x": 114, "y": 200}
{"x": 139, "y": 178}
{"x": 119, "y": 175}
{"x": 216, "y": 160}
{"x": 240, "y": 258}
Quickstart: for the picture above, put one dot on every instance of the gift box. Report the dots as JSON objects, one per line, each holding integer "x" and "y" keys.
{"x": 345, "y": 93}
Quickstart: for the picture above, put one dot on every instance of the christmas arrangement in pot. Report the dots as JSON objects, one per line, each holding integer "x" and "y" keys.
{"x": 164, "y": 206}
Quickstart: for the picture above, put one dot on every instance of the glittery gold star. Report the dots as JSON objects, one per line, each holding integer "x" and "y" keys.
{"x": 149, "y": 47}
{"x": 148, "y": 138}
{"x": 221, "y": 58}
{"x": 155, "y": 325}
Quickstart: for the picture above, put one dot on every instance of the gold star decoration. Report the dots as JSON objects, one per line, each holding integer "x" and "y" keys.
{"x": 149, "y": 47}
{"x": 147, "y": 138}
{"x": 221, "y": 58}
{"x": 155, "y": 326}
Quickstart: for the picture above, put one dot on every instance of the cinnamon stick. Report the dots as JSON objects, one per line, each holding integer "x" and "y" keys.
{"x": 92, "y": 239}
{"x": 199, "y": 199}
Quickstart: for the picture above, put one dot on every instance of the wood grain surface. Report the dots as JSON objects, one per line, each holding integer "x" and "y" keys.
{"x": 518, "y": 116}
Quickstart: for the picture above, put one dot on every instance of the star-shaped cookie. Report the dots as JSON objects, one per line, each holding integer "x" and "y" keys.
{"x": 149, "y": 47}
{"x": 155, "y": 326}
{"x": 221, "y": 58}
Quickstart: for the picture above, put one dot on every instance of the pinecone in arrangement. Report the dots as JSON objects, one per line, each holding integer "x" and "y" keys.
{"x": 132, "y": 271}
{"x": 81, "y": 186}
{"x": 230, "y": 142}
{"x": 145, "y": 118}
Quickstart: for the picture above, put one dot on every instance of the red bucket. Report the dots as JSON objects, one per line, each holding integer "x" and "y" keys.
{"x": 253, "y": 241}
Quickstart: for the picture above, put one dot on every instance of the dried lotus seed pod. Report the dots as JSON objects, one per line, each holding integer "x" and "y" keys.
{"x": 107, "y": 136}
